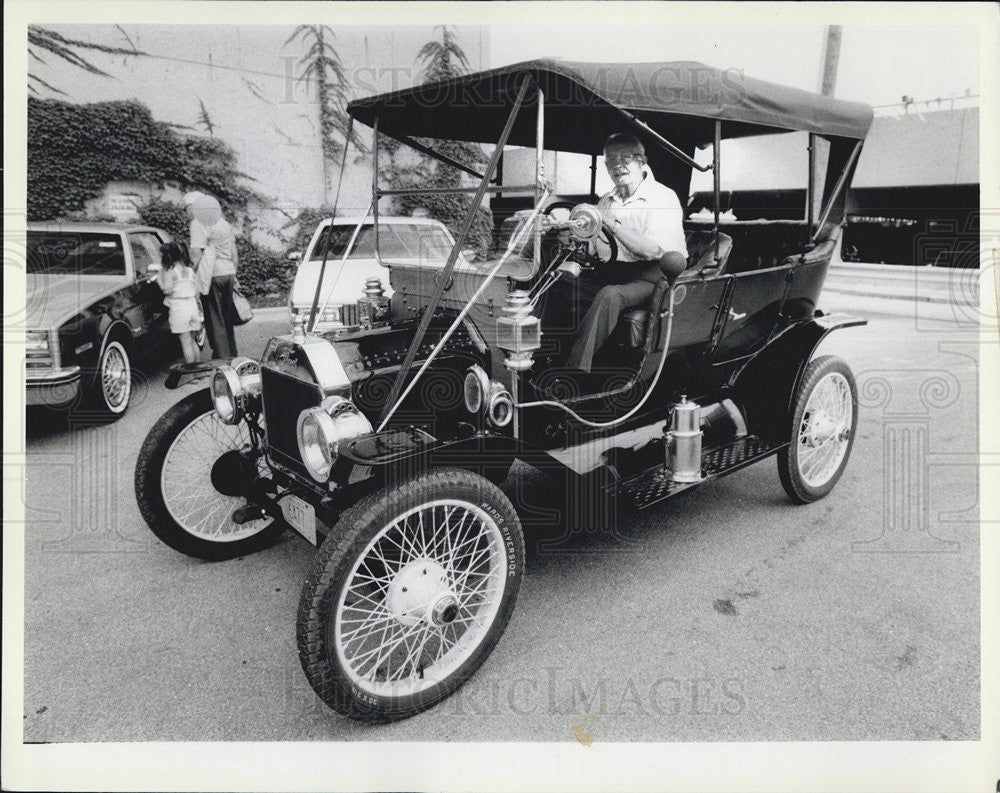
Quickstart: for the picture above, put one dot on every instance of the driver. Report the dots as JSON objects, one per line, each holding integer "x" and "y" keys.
{"x": 645, "y": 219}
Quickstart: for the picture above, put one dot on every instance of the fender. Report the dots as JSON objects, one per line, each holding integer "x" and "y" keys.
{"x": 180, "y": 371}
{"x": 412, "y": 449}
{"x": 781, "y": 365}
{"x": 109, "y": 330}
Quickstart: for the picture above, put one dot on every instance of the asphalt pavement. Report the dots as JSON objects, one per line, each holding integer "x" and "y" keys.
{"x": 726, "y": 614}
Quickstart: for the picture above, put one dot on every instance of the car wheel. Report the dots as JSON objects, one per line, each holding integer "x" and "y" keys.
{"x": 111, "y": 388}
{"x": 409, "y": 594}
{"x": 824, "y": 423}
{"x": 189, "y": 480}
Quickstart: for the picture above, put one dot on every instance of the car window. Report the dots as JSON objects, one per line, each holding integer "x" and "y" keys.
{"x": 78, "y": 253}
{"x": 145, "y": 250}
{"x": 396, "y": 240}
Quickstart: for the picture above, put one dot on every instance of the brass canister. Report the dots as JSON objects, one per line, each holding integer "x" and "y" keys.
{"x": 684, "y": 442}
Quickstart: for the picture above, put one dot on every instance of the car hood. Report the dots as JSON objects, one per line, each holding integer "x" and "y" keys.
{"x": 52, "y": 299}
{"x": 346, "y": 281}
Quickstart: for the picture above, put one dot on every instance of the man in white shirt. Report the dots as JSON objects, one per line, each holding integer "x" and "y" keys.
{"x": 214, "y": 255}
{"x": 646, "y": 220}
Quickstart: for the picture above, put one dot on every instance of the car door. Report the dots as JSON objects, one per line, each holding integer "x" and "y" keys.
{"x": 751, "y": 311}
{"x": 147, "y": 297}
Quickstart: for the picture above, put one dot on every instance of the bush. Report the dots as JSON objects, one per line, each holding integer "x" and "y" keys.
{"x": 75, "y": 150}
{"x": 261, "y": 271}
{"x": 172, "y": 218}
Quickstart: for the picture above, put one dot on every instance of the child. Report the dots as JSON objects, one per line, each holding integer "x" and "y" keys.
{"x": 180, "y": 286}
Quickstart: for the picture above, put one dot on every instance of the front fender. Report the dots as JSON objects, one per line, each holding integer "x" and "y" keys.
{"x": 412, "y": 449}
{"x": 766, "y": 385}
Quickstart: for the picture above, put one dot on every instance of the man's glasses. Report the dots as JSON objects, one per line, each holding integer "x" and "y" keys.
{"x": 621, "y": 159}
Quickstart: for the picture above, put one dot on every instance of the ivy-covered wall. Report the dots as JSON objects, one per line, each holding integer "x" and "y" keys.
{"x": 75, "y": 150}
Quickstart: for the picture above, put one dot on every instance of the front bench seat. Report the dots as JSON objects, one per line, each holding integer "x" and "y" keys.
{"x": 701, "y": 261}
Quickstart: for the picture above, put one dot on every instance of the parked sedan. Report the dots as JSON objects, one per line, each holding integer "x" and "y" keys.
{"x": 92, "y": 304}
{"x": 401, "y": 239}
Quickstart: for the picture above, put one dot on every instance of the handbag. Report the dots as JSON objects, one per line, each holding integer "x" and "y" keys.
{"x": 242, "y": 313}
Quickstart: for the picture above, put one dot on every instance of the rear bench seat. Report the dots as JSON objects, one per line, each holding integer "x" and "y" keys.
{"x": 701, "y": 261}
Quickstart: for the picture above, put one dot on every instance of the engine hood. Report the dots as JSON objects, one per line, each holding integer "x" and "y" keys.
{"x": 51, "y": 300}
{"x": 343, "y": 282}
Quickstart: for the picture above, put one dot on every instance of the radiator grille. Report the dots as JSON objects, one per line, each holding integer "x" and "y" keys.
{"x": 284, "y": 398}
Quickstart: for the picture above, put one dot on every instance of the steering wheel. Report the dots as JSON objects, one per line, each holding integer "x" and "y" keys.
{"x": 581, "y": 252}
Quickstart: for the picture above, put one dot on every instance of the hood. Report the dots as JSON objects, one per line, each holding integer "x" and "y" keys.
{"x": 50, "y": 300}
{"x": 345, "y": 282}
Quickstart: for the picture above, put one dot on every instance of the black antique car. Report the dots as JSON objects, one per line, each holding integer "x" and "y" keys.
{"x": 386, "y": 444}
{"x": 92, "y": 305}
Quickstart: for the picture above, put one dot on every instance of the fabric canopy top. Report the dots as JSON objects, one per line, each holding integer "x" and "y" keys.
{"x": 681, "y": 100}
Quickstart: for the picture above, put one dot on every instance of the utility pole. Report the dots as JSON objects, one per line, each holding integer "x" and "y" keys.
{"x": 831, "y": 58}
{"x": 827, "y": 85}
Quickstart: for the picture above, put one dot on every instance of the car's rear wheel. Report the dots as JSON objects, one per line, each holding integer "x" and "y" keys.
{"x": 190, "y": 478}
{"x": 410, "y": 593}
{"x": 824, "y": 423}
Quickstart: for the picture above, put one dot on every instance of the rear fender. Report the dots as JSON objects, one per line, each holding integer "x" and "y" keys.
{"x": 765, "y": 386}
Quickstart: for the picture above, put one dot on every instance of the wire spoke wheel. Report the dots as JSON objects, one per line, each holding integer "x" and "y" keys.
{"x": 193, "y": 472}
{"x": 204, "y": 457}
{"x": 823, "y": 428}
{"x": 420, "y": 598}
{"x": 116, "y": 377}
{"x": 410, "y": 593}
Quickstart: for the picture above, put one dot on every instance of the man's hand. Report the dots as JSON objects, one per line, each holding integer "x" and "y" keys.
{"x": 608, "y": 217}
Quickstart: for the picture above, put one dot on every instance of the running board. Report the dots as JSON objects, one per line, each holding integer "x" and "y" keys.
{"x": 654, "y": 485}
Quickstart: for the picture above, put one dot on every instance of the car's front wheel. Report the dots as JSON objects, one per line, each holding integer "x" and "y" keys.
{"x": 111, "y": 387}
{"x": 824, "y": 423}
{"x": 190, "y": 478}
{"x": 409, "y": 594}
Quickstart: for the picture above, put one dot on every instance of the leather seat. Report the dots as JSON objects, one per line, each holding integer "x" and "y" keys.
{"x": 701, "y": 261}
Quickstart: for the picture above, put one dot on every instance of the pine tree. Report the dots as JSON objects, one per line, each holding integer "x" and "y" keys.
{"x": 321, "y": 67}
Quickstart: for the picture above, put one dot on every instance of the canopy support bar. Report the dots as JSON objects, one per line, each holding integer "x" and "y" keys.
{"x": 810, "y": 185}
{"x": 431, "y": 308}
{"x": 413, "y": 144}
{"x": 680, "y": 155}
{"x": 333, "y": 213}
{"x": 716, "y": 183}
{"x": 524, "y": 188}
{"x": 836, "y": 189}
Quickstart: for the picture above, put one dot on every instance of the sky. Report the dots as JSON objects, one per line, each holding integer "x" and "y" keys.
{"x": 878, "y": 64}
{"x": 245, "y": 74}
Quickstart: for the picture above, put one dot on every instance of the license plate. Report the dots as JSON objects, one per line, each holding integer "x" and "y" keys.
{"x": 300, "y": 515}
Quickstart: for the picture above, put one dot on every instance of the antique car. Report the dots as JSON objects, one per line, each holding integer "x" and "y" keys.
{"x": 349, "y": 265}
{"x": 384, "y": 444}
{"x": 92, "y": 305}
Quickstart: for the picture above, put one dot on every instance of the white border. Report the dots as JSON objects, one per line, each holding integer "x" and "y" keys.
{"x": 563, "y": 764}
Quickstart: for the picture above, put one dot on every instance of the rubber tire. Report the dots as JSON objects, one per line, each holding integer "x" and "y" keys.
{"x": 148, "y": 494}
{"x": 788, "y": 470}
{"x": 355, "y": 529}
{"x": 94, "y": 403}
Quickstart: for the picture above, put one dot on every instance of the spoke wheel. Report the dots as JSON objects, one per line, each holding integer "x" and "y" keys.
{"x": 824, "y": 423}
{"x": 110, "y": 384}
{"x": 411, "y": 591}
{"x": 190, "y": 477}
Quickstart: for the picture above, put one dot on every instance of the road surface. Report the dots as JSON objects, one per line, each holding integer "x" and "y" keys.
{"x": 726, "y": 614}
